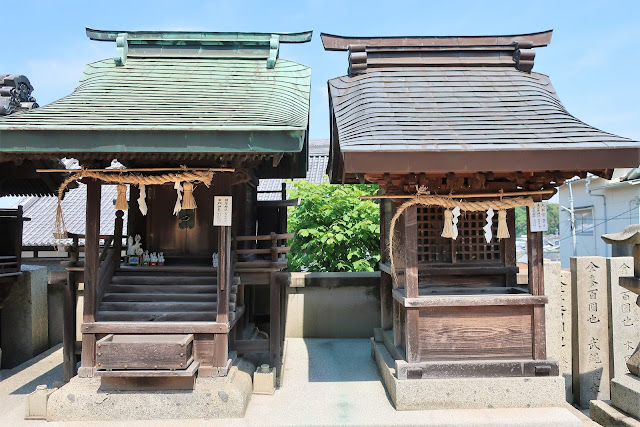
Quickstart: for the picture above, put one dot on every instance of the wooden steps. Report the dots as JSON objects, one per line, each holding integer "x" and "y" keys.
{"x": 162, "y": 294}
{"x": 164, "y": 280}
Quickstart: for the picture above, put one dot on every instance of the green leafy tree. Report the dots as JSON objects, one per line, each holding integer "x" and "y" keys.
{"x": 552, "y": 219}
{"x": 335, "y": 230}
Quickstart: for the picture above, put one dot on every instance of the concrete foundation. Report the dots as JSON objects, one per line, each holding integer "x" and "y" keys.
{"x": 24, "y": 318}
{"x": 333, "y": 305}
{"x": 467, "y": 393}
{"x": 83, "y": 400}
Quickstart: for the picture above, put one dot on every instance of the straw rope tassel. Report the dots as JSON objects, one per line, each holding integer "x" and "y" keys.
{"x": 178, "y": 207}
{"x": 503, "y": 230}
{"x": 447, "y": 231}
{"x": 121, "y": 201}
{"x": 188, "y": 202}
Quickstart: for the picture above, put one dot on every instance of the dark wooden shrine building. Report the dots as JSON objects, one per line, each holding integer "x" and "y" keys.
{"x": 440, "y": 122}
{"x": 192, "y": 116}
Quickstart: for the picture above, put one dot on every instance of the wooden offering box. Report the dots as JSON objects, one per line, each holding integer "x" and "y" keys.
{"x": 167, "y": 352}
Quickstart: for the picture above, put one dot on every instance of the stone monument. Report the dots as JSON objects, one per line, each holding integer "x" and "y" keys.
{"x": 624, "y": 407}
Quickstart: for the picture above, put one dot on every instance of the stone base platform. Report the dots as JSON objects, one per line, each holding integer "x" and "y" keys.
{"x": 82, "y": 399}
{"x": 603, "y": 413}
{"x": 624, "y": 407}
{"x": 467, "y": 393}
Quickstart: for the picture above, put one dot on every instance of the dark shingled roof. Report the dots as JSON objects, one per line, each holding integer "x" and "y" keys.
{"x": 457, "y": 105}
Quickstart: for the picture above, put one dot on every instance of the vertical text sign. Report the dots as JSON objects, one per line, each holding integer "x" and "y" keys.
{"x": 222, "y": 211}
{"x": 538, "y": 217}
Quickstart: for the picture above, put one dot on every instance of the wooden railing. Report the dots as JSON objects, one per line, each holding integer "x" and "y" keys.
{"x": 255, "y": 257}
{"x": 108, "y": 259}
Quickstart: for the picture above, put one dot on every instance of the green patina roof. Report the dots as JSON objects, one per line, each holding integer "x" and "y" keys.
{"x": 165, "y": 101}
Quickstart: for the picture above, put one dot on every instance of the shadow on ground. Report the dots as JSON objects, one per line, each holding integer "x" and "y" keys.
{"x": 340, "y": 361}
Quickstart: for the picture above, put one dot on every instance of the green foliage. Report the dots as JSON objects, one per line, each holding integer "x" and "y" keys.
{"x": 552, "y": 219}
{"x": 335, "y": 230}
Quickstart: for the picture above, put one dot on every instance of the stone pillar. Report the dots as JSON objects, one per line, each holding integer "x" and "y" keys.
{"x": 590, "y": 329}
{"x": 624, "y": 316}
{"x": 25, "y": 330}
{"x": 557, "y": 286}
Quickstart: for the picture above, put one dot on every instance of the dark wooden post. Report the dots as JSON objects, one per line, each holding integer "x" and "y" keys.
{"x": 69, "y": 357}
{"x": 386, "y": 285}
{"x": 117, "y": 238}
{"x": 509, "y": 247}
{"x": 274, "y": 309}
{"x": 221, "y": 341}
{"x": 536, "y": 287}
{"x": 411, "y": 282}
{"x": 91, "y": 267}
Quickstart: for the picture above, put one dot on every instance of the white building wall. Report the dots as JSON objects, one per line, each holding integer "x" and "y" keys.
{"x": 622, "y": 201}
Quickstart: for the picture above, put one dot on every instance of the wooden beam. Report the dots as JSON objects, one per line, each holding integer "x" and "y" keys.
{"x": 536, "y": 287}
{"x": 467, "y": 300}
{"x": 154, "y": 328}
{"x": 92, "y": 265}
{"x": 121, "y": 170}
{"x": 463, "y": 196}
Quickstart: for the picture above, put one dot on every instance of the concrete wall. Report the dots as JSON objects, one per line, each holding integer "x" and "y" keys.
{"x": 333, "y": 305}
{"x": 619, "y": 200}
{"x": 24, "y": 318}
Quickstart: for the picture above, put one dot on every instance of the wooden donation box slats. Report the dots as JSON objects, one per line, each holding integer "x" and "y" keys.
{"x": 145, "y": 351}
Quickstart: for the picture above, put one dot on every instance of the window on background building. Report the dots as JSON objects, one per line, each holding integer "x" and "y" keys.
{"x": 584, "y": 221}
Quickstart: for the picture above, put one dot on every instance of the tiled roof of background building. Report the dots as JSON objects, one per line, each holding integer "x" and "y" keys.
{"x": 316, "y": 172}
{"x": 42, "y": 211}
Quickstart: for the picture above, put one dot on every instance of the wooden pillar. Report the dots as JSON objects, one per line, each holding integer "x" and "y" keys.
{"x": 411, "y": 251}
{"x": 509, "y": 247}
{"x": 69, "y": 357}
{"x": 91, "y": 267}
{"x": 224, "y": 254}
{"x": 221, "y": 341}
{"x": 386, "y": 301}
{"x": 117, "y": 237}
{"x": 386, "y": 282}
{"x": 536, "y": 287}
{"x": 274, "y": 309}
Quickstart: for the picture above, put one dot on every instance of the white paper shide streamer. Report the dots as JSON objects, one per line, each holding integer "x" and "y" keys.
{"x": 454, "y": 221}
{"x": 178, "y": 207}
{"x": 488, "y": 235}
{"x": 142, "y": 200}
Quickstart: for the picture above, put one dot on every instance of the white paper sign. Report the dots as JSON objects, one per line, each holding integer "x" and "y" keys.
{"x": 538, "y": 217}
{"x": 222, "y": 211}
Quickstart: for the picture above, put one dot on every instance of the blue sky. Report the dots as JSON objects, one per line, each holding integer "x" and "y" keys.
{"x": 592, "y": 59}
